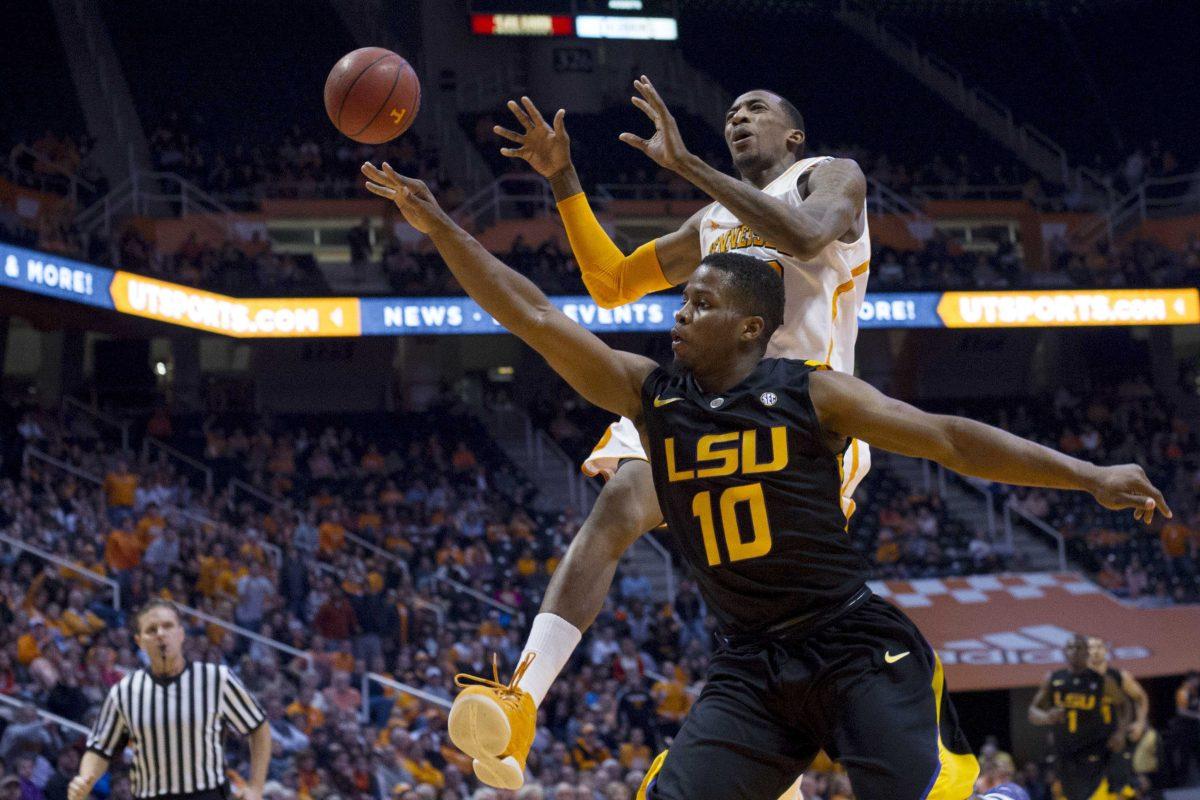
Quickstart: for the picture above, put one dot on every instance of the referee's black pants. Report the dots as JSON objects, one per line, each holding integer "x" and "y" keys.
{"x": 220, "y": 793}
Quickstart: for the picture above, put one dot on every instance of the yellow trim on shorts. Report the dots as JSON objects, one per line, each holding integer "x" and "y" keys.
{"x": 655, "y": 767}
{"x": 958, "y": 773}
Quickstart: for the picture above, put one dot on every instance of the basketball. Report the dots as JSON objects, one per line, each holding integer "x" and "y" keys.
{"x": 372, "y": 95}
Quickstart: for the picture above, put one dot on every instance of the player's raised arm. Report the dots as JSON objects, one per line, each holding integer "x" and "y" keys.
{"x": 849, "y": 407}
{"x": 611, "y": 379}
{"x": 838, "y": 188}
{"x": 611, "y": 277}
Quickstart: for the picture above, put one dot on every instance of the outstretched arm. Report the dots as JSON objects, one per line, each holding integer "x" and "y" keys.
{"x": 612, "y": 278}
{"x": 849, "y": 407}
{"x": 611, "y": 379}
{"x": 839, "y": 188}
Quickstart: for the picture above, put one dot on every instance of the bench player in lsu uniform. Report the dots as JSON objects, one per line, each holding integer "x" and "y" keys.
{"x": 1090, "y": 714}
{"x": 1122, "y": 781}
{"x": 745, "y": 467}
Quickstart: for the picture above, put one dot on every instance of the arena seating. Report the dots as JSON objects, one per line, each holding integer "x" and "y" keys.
{"x": 446, "y": 511}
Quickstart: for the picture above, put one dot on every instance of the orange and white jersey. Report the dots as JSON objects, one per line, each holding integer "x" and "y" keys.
{"x": 822, "y": 294}
{"x": 822, "y": 297}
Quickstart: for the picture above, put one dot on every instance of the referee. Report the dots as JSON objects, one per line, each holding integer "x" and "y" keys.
{"x": 174, "y": 716}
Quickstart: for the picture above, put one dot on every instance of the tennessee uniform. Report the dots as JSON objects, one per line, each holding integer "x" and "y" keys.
{"x": 823, "y": 295}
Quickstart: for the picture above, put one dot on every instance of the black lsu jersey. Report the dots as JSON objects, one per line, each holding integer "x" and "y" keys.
{"x": 1089, "y": 717}
{"x": 750, "y": 490}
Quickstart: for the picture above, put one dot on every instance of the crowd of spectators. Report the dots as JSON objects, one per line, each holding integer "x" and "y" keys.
{"x": 305, "y": 164}
{"x": 1128, "y": 423}
{"x": 56, "y": 162}
{"x": 364, "y": 564}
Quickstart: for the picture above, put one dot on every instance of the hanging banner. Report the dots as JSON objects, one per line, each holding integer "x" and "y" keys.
{"x": 1008, "y": 631}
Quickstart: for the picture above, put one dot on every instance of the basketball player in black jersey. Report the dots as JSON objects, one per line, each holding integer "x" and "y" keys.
{"x": 1090, "y": 715}
{"x": 745, "y": 455}
{"x": 1122, "y": 780}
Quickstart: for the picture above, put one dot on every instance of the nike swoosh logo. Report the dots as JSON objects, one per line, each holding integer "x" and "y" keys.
{"x": 892, "y": 659}
{"x": 659, "y": 402}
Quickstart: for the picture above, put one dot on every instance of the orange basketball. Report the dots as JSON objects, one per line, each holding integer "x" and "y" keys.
{"x": 372, "y": 95}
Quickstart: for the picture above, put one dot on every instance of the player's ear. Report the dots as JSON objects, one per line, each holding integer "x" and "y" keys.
{"x": 752, "y": 328}
{"x": 796, "y": 139}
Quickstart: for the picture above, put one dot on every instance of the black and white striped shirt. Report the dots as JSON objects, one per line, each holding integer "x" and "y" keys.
{"x": 175, "y": 727}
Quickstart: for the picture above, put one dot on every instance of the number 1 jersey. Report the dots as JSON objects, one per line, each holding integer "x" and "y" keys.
{"x": 751, "y": 492}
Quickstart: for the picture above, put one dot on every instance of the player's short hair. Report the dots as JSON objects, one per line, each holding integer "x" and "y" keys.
{"x": 757, "y": 287}
{"x": 157, "y": 602}
{"x": 790, "y": 109}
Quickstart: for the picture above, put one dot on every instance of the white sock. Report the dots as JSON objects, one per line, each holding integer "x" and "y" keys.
{"x": 553, "y": 639}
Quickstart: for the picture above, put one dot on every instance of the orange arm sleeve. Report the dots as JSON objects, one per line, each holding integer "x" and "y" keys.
{"x": 611, "y": 277}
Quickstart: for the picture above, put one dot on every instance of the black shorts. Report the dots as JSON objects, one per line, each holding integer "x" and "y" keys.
{"x": 867, "y": 688}
{"x": 1083, "y": 775}
{"x": 1122, "y": 781}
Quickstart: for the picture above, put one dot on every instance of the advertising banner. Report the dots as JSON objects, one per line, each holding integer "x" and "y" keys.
{"x": 276, "y": 317}
{"x": 264, "y": 317}
{"x": 1008, "y": 631}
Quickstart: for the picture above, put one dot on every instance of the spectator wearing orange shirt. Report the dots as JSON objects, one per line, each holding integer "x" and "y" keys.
{"x": 372, "y": 461}
{"x": 120, "y": 490}
{"x": 305, "y": 705}
{"x": 150, "y": 524}
{"x": 123, "y": 550}
{"x": 331, "y": 535}
{"x": 35, "y": 641}
{"x": 1177, "y": 541}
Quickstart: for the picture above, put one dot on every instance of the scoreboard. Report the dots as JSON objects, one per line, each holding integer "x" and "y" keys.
{"x": 653, "y": 20}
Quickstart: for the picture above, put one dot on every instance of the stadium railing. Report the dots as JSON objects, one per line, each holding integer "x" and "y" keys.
{"x": 507, "y": 197}
{"x": 98, "y": 415}
{"x": 249, "y": 634}
{"x": 95, "y": 577}
{"x": 144, "y": 192}
{"x": 180, "y": 456}
{"x": 48, "y": 716}
{"x": 45, "y": 182}
{"x": 420, "y": 694}
{"x": 1059, "y": 540}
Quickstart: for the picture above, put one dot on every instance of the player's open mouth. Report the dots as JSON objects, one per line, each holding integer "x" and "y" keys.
{"x": 676, "y": 340}
{"x": 740, "y": 136}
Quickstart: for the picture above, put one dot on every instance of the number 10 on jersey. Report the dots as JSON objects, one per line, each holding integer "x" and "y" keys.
{"x": 738, "y": 549}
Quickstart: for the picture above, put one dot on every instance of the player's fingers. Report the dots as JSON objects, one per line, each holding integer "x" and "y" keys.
{"x": 652, "y": 95}
{"x": 373, "y": 172}
{"x": 559, "y": 125}
{"x": 410, "y": 184}
{"x": 534, "y": 114}
{"x": 512, "y": 136}
{"x": 633, "y": 141}
{"x": 646, "y": 108}
{"x": 513, "y": 152}
{"x": 1160, "y": 502}
{"x": 520, "y": 114}
{"x": 383, "y": 191}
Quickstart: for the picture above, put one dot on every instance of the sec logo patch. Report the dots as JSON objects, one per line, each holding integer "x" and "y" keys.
{"x": 768, "y": 399}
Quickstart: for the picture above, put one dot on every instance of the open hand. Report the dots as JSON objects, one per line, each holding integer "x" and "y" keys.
{"x": 1126, "y": 486}
{"x": 410, "y": 195}
{"x": 547, "y": 148}
{"x": 665, "y": 147}
{"x": 79, "y": 788}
